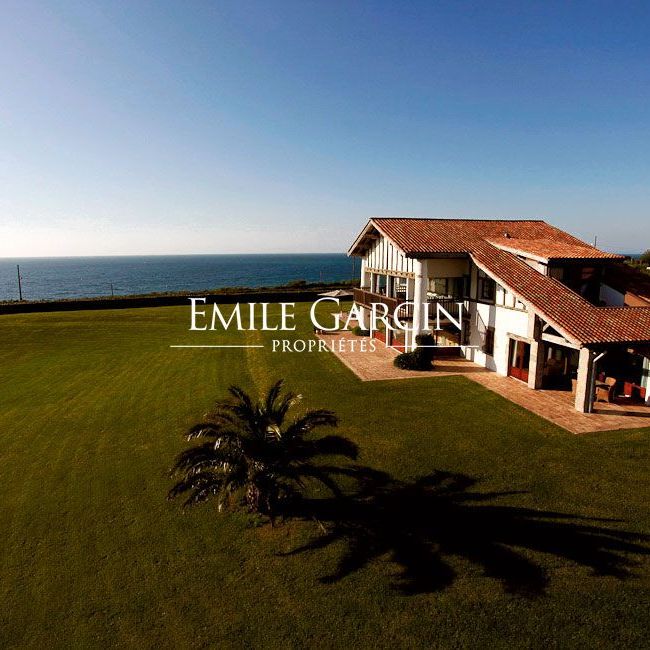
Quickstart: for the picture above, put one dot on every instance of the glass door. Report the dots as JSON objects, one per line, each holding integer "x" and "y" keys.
{"x": 519, "y": 359}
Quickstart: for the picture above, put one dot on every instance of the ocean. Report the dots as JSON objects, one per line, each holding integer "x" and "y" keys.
{"x": 87, "y": 277}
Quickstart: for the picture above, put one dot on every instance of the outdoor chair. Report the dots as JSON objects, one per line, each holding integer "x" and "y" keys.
{"x": 605, "y": 392}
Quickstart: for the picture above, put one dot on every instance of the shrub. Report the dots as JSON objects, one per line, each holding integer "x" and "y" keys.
{"x": 421, "y": 358}
{"x": 357, "y": 331}
{"x": 406, "y": 361}
{"x": 645, "y": 258}
{"x": 424, "y": 354}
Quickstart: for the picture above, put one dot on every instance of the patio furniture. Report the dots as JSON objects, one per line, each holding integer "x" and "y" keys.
{"x": 634, "y": 392}
{"x": 605, "y": 391}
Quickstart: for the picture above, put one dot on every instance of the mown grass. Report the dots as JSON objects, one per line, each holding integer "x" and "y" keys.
{"x": 92, "y": 408}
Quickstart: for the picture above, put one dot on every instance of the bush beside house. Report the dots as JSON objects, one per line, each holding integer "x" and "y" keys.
{"x": 419, "y": 359}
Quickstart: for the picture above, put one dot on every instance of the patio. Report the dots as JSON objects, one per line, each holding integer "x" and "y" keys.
{"x": 553, "y": 405}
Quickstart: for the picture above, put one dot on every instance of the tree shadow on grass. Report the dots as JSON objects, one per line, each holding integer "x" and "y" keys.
{"x": 421, "y": 524}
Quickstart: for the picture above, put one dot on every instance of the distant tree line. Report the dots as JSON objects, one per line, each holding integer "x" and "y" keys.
{"x": 642, "y": 263}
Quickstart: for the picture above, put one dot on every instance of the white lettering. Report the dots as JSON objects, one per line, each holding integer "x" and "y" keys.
{"x": 195, "y": 313}
{"x": 287, "y": 315}
{"x": 457, "y": 323}
{"x": 216, "y": 313}
{"x": 316, "y": 324}
{"x": 356, "y": 314}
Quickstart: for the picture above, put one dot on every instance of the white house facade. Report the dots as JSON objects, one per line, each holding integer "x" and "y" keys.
{"x": 523, "y": 299}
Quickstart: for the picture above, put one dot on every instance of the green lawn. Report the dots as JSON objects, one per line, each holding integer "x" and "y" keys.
{"x": 92, "y": 408}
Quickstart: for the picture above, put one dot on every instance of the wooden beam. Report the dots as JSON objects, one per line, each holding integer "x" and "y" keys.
{"x": 558, "y": 340}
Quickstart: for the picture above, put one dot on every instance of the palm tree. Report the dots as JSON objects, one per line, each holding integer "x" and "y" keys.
{"x": 253, "y": 455}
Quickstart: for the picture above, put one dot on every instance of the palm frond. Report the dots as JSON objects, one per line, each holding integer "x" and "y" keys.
{"x": 207, "y": 430}
{"x": 202, "y": 486}
{"x": 309, "y": 421}
{"x": 241, "y": 396}
{"x": 205, "y": 456}
{"x": 272, "y": 395}
{"x": 289, "y": 400}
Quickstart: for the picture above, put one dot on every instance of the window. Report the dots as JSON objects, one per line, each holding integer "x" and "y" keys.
{"x": 488, "y": 341}
{"x": 457, "y": 288}
{"x": 466, "y": 279}
{"x": 438, "y": 286}
{"x": 486, "y": 287}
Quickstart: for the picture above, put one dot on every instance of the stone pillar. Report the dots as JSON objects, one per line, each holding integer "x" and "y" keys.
{"x": 584, "y": 398}
{"x": 536, "y": 365}
{"x": 537, "y": 352}
{"x": 419, "y": 298}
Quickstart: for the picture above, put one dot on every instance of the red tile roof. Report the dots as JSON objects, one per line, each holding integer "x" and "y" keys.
{"x": 564, "y": 309}
{"x": 560, "y": 306}
{"x": 545, "y": 249}
{"x": 422, "y": 237}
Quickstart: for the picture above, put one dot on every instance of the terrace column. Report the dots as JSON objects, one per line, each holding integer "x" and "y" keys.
{"x": 645, "y": 379}
{"x": 537, "y": 349}
{"x": 584, "y": 396}
{"x": 365, "y": 276}
{"x": 536, "y": 365}
{"x": 419, "y": 298}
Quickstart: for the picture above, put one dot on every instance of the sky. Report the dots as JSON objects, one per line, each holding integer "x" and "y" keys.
{"x": 224, "y": 127}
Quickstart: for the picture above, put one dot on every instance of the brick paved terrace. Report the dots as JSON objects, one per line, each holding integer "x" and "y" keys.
{"x": 555, "y": 406}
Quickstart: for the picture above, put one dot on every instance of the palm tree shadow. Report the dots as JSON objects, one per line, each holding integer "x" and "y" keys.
{"x": 422, "y": 524}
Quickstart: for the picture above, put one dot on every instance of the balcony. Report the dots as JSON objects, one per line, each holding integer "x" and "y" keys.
{"x": 366, "y": 298}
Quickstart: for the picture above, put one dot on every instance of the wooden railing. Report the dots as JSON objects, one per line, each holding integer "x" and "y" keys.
{"x": 364, "y": 297}
{"x": 450, "y": 305}
{"x": 367, "y": 298}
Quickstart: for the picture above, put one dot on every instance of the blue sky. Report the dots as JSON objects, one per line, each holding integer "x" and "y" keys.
{"x": 208, "y": 127}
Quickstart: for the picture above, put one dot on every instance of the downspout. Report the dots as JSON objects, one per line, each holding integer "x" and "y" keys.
{"x": 592, "y": 380}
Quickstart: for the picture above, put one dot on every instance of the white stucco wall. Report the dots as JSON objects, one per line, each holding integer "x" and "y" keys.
{"x": 611, "y": 297}
{"x": 447, "y": 268}
{"x": 505, "y": 321}
{"x": 538, "y": 266}
{"x": 383, "y": 256}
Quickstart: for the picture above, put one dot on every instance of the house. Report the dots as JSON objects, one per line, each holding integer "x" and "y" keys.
{"x": 532, "y": 301}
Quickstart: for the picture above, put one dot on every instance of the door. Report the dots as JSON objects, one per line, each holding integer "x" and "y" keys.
{"x": 519, "y": 359}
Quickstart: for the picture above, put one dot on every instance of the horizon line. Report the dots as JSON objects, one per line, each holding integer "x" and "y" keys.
{"x": 42, "y": 257}
{"x": 107, "y": 255}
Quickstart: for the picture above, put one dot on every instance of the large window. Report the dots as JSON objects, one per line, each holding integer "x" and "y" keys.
{"x": 453, "y": 287}
{"x": 486, "y": 287}
{"x": 439, "y": 286}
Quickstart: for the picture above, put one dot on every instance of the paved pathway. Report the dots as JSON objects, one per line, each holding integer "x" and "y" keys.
{"x": 555, "y": 406}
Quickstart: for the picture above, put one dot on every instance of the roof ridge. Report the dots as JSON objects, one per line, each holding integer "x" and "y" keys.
{"x": 517, "y": 220}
